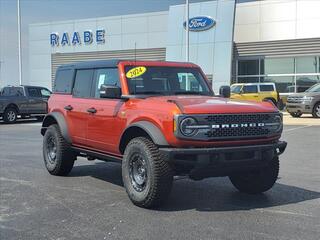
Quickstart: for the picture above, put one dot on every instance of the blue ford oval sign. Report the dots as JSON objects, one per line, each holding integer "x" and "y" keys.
{"x": 200, "y": 23}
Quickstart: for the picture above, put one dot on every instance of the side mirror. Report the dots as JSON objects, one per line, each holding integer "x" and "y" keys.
{"x": 110, "y": 91}
{"x": 225, "y": 91}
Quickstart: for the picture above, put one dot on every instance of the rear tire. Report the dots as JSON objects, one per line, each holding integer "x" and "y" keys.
{"x": 57, "y": 154}
{"x": 296, "y": 114}
{"x": 316, "y": 110}
{"x": 146, "y": 175}
{"x": 10, "y": 115}
{"x": 257, "y": 181}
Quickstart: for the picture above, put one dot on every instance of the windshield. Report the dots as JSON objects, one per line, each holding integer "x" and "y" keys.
{"x": 166, "y": 81}
{"x": 236, "y": 88}
{"x": 314, "y": 88}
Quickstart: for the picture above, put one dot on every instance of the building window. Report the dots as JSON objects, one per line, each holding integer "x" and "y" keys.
{"x": 277, "y": 66}
{"x": 248, "y": 67}
{"x": 308, "y": 64}
{"x": 290, "y": 74}
{"x": 284, "y": 84}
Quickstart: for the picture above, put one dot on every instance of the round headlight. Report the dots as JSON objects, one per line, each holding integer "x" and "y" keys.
{"x": 186, "y": 127}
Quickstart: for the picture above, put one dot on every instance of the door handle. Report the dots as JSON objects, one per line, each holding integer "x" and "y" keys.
{"x": 68, "y": 108}
{"x": 92, "y": 110}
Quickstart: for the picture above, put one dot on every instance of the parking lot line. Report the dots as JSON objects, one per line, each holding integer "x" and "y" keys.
{"x": 296, "y": 128}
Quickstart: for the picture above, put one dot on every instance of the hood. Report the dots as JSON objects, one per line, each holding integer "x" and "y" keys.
{"x": 206, "y": 104}
{"x": 307, "y": 94}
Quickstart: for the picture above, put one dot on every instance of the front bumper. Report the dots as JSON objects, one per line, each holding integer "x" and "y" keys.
{"x": 200, "y": 163}
{"x": 299, "y": 107}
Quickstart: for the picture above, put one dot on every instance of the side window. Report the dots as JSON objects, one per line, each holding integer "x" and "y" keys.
{"x": 45, "y": 92}
{"x": 250, "y": 88}
{"x": 266, "y": 88}
{"x": 12, "y": 91}
{"x": 82, "y": 83}
{"x": 33, "y": 92}
{"x": 105, "y": 76}
{"x": 63, "y": 81}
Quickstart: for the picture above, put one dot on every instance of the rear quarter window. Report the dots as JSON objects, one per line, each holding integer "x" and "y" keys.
{"x": 63, "y": 82}
{"x": 250, "y": 89}
{"x": 12, "y": 91}
{"x": 266, "y": 88}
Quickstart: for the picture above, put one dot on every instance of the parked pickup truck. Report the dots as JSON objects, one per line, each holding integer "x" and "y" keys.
{"x": 25, "y": 101}
{"x": 159, "y": 120}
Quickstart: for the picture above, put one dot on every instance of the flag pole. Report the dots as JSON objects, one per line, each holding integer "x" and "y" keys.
{"x": 19, "y": 42}
{"x": 187, "y": 30}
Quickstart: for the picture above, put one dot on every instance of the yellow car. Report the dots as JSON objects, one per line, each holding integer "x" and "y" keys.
{"x": 255, "y": 92}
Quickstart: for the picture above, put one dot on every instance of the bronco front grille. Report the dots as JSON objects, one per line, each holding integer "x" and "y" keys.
{"x": 234, "y": 126}
{"x": 225, "y": 122}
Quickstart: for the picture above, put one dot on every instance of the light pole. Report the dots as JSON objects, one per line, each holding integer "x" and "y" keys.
{"x": 19, "y": 42}
{"x": 1, "y": 62}
{"x": 187, "y": 30}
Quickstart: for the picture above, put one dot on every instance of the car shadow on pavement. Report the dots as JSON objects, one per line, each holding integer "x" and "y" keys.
{"x": 213, "y": 194}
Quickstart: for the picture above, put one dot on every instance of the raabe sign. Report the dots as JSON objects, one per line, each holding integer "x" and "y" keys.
{"x": 200, "y": 23}
{"x": 76, "y": 38}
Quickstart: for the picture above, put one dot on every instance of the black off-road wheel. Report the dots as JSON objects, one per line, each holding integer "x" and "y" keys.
{"x": 10, "y": 115}
{"x": 257, "y": 181}
{"x": 147, "y": 176}
{"x": 296, "y": 114}
{"x": 57, "y": 154}
{"x": 316, "y": 110}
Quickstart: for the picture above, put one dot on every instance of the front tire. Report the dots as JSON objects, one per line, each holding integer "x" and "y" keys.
{"x": 10, "y": 115}
{"x": 57, "y": 155}
{"x": 146, "y": 175}
{"x": 296, "y": 114}
{"x": 316, "y": 110}
{"x": 257, "y": 181}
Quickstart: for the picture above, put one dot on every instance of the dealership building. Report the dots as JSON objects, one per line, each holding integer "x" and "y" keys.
{"x": 245, "y": 41}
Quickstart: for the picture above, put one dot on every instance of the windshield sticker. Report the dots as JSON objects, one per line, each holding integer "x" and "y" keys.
{"x": 136, "y": 72}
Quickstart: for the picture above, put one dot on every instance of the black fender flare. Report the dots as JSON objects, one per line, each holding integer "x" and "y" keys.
{"x": 151, "y": 129}
{"x": 56, "y": 117}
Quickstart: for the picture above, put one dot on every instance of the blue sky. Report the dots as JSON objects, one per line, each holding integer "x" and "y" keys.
{"x": 33, "y": 11}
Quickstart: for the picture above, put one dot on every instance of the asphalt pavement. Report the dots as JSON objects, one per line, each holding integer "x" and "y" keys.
{"x": 91, "y": 202}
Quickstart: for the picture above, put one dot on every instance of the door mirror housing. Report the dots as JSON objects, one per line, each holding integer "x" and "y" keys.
{"x": 225, "y": 91}
{"x": 110, "y": 91}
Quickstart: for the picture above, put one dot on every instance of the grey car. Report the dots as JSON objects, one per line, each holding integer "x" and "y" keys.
{"x": 306, "y": 102}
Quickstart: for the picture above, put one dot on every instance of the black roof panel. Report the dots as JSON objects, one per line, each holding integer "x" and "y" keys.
{"x": 92, "y": 64}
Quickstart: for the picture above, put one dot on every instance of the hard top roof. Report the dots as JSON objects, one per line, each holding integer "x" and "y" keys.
{"x": 265, "y": 83}
{"x": 114, "y": 63}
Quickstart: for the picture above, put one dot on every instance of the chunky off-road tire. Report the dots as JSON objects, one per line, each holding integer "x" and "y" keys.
{"x": 146, "y": 175}
{"x": 316, "y": 110}
{"x": 57, "y": 154}
{"x": 296, "y": 114}
{"x": 258, "y": 181}
{"x": 10, "y": 115}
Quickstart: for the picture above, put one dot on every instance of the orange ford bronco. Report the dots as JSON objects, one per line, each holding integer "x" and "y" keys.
{"x": 159, "y": 120}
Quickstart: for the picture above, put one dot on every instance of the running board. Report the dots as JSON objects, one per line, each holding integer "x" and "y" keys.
{"x": 98, "y": 155}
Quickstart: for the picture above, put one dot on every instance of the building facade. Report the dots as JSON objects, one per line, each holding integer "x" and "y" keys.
{"x": 247, "y": 41}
